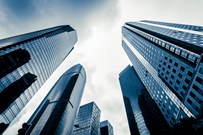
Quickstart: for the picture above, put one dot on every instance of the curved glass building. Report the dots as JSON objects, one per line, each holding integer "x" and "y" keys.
{"x": 58, "y": 110}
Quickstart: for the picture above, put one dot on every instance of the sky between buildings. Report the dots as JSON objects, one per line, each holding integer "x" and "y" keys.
{"x": 98, "y": 24}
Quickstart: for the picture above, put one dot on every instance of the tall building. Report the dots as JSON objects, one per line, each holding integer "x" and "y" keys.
{"x": 26, "y": 62}
{"x": 144, "y": 116}
{"x": 106, "y": 128}
{"x": 58, "y": 110}
{"x": 88, "y": 120}
{"x": 169, "y": 61}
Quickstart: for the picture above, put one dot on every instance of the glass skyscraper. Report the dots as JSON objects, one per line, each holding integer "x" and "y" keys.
{"x": 58, "y": 110}
{"x": 106, "y": 128}
{"x": 144, "y": 116}
{"x": 88, "y": 120}
{"x": 168, "y": 59}
{"x": 26, "y": 62}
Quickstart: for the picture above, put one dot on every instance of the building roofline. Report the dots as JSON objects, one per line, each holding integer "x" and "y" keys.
{"x": 10, "y": 41}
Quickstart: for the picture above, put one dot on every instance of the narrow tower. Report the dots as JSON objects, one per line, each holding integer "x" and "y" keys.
{"x": 58, "y": 110}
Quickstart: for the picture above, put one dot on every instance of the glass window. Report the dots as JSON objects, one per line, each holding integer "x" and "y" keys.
{"x": 182, "y": 68}
{"x": 199, "y": 80}
{"x": 190, "y": 73}
{"x": 201, "y": 71}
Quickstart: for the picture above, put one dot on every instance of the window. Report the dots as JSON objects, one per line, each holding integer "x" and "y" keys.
{"x": 187, "y": 81}
{"x": 178, "y": 82}
{"x": 172, "y": 48}
{"x": 189, "y": 101}
{"x": 174, "y": 71}
{"x": 169, "y": 67}
{"x": 195, "y": 87}
{"x": 172, "y": 76}
{"x": 176, "y": 64}
{"x": 175, "y": 87}
{"x": 184, "y": 54}
{"x": 199, "y": 80}
{"x": 184, "y": 87}
{"x": 180, "y": 75}
{"x": 182, "y": 68}
{"x": 182, "y": 94}
{"x": 164, "y": 63}
{"x": 177, "y": 51}
{"x": 163, "y": 44}
{"x": 192, "y": 94}
{"x": 170, "y": 60}
{"x": 189, "y": 73}
{"x": 167, "y": 46}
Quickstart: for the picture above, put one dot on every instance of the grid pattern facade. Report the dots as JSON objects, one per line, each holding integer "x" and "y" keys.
{"x": 170, "y": 71}
{"x": 106, "y": 128}
{"x": 196, "y": 40}
{"x": 131, "y": 89}
{"x": 182, "y": 26}
{"x": 88, "y": 120}
{"x": 46, "y": 50}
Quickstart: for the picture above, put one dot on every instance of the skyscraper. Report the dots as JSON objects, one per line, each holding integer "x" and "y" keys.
{"x": 58, "y": 110}
{"x": 26, "y": 62}
{"x": 88, "y": 120}
{"x": 168, "y": 60}
{"x": 144, "y": 116}
{"x": 106, "y": 128}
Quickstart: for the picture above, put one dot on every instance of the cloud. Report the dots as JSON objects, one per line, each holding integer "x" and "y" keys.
{"x": 23, "y": 9}
{"x": 29, "y": 15}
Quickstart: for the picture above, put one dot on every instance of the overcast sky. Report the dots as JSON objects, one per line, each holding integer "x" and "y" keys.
{"x": 98, "y": 24}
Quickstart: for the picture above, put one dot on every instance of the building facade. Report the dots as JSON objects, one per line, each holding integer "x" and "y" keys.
{"x": 144, "y": 116}
{"x": 58, "y": 110}
{"x": 131, "y": 88}
{"x": 26, "y": 62}
{"x": 168, "y": 60}
{"x": 88, "y": 120}
{"x": 106, "y": 128}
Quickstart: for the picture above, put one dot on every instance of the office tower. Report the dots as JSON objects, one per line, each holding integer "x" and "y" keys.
{"x": 26, "y": 62}
{"x": 168, "y": 60}
{"x": 58, "y": 110}
{"x": 144, "y": 116}
{"x": 88, "y": 120}
{"x": 106, "y": 128}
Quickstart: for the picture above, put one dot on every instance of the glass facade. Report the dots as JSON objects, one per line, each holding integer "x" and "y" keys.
{"x": 88, "y": 120}
{"x": 57, "y": 112}
{"x": 106, "y": 128}
{"x": 175, "y": 25}
{"x": 131, "y": 88}
{"x": 168, "y": 61}
{"x": 26, "y": 62}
